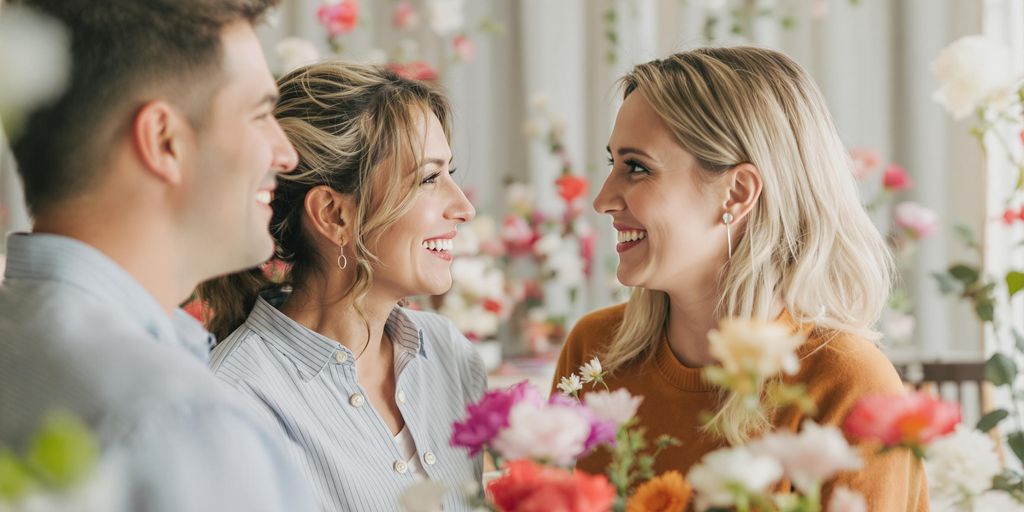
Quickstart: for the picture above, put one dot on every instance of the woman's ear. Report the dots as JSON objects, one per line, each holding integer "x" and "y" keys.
{"x": 330, "y": 214}
{"x": 745, "y": 185}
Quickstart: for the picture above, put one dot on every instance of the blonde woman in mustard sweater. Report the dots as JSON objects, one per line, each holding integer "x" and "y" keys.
{"x": 733, "y": 196}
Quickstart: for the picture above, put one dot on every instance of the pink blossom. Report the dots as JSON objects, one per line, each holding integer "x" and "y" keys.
{"x": 464, "y": 47}
{"x": 810, "y": 457}
{"x": 819, "y": 8}
{"x": 486, "y": 418}
{"x": 895, "y": 178}
{"x": 555, "y": 433}
{"x": 602, "y": 430}
{"x": 912, "y": 420}
{"x": 339, "y": 17}
{"x": 517, "y": 233}
{"x": 919, "y": 221}
{"x": 405, "y": 16}
{"x": 865, "y": 162}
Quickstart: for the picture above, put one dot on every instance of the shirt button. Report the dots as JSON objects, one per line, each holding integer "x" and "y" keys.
{"x": 401, "y": 467}
{"x": 356, "y": 400}
{"x": 401, "y": 396}
{"x": 340, "y": 357}
{"x": 429, "y": 458}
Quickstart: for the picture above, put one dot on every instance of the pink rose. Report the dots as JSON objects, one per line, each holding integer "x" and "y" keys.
{"x": 912, "y": 420}
{"x": 340, "y": 17}
{"x": 919, "y": 221}
{"x": 895, "y": 178}
{"x": 464, "y": 47}
{"x": 530, "y": 487}
{"x": 405, "y": 16}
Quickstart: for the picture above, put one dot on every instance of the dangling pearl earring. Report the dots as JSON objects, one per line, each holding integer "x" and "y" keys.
{"x": 727, "y": 219}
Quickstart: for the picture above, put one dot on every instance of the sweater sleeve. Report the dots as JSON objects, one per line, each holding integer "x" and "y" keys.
{"x": 841, "y": 373}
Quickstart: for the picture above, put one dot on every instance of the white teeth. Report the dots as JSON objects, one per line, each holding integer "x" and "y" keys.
{"x": 631, "y": 236}
{"x": 263, "y": 196}
{"x": 444, "y": 245}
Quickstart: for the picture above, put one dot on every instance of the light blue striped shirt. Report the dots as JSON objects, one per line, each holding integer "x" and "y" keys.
{"x": 78, "y": 333}
{"x": 309, "y": 383}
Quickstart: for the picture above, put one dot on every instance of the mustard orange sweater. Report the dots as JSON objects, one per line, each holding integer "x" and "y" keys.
{"x": 835, "y": 373}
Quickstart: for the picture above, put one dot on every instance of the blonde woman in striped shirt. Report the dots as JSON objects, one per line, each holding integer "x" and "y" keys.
{"x": 365, "y": 390}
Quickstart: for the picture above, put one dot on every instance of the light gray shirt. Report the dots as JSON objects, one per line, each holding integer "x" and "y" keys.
{"x": 78, "y": 333}
{"x": 309, "y": 383}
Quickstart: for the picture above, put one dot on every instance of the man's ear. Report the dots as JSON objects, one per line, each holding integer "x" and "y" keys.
{"x": 745, "y": 185}
{"x": 330, "y": 213}
{"x": 160, "y": 134}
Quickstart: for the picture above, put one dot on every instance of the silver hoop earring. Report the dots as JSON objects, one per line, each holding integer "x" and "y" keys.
{"x": 727, "y": 219}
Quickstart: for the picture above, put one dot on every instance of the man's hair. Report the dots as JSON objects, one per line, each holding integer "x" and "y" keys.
{"x": 124, "y": 53}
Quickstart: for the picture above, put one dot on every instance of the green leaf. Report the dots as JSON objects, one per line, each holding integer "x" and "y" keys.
{"x": 1014, "y": 282}
{"x": 986, "y": 311}
{"x": 964, "y": 273}
{"x": 15, "y": 479}
{"x": 64, "y": 451}
{"x": 947, "y": 284}
{"x": 1000, "y": 370}
{"x": 966, "y": 235}
{"x": 1016, "y": 442}
{"x": 990, "y": 420}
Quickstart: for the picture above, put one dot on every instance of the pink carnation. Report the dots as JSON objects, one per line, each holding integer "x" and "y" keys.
{"x": 485, "y": 419}
{"x": 912, "y": 420}
{"x": 865, "y": 162}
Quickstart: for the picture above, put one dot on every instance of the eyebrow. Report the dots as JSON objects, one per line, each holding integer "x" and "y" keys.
{"x": 437, "y": 161}
{"x": 268, "y": 98}
{"x": 623, "y": 151}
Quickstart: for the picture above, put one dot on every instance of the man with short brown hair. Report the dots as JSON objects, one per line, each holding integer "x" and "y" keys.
{"x": 151, "y": 173}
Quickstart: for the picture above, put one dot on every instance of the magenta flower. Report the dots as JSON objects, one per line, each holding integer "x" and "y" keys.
{"x": 486, "y": 418}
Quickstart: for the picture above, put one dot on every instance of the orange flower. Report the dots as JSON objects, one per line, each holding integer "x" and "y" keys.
{"x": 530, "y": 487}
{"x": 667, "y": 492}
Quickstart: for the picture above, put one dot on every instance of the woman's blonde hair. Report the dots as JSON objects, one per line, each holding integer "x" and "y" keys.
{"x": 808, "y": 241}
{"x": 352, "y": 126}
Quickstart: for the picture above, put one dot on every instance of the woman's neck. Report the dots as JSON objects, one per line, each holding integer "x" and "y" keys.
{"x": 333, "y": 314}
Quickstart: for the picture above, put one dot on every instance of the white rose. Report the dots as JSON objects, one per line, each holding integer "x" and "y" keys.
{"x": 567, "y": 267}
{"x": 721, "y": 471}
{"x": 296, "y": 52}
{"x": 548, "y": 244}
{"x": 445, "y": 16}
{"x": 997, "y": 501}
{"x": 810, "y": 457}
{"x": 961, "y": 466}
{"x": 972, "y": 71}
{"x": 618, "y": 406}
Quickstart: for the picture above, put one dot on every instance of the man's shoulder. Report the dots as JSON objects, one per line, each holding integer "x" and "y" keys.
{"x": 108, "y": 372}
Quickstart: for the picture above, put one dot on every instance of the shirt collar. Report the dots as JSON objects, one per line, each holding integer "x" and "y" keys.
{"x": 311, "y": 351}
{"x": 74, "y": 263}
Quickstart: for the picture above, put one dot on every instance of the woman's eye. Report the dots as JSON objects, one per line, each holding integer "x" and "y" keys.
{"x": 635, "y": 167}
{"x": 431, "y": 179}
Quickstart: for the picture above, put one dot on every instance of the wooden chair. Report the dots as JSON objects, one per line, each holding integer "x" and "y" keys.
{"x": 963, "y": 382}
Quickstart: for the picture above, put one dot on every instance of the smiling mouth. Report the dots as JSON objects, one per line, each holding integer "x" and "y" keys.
{"x": 629, "y": 239}
{"x": 440, "y": 247}
{"x": 264, "y": 197}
